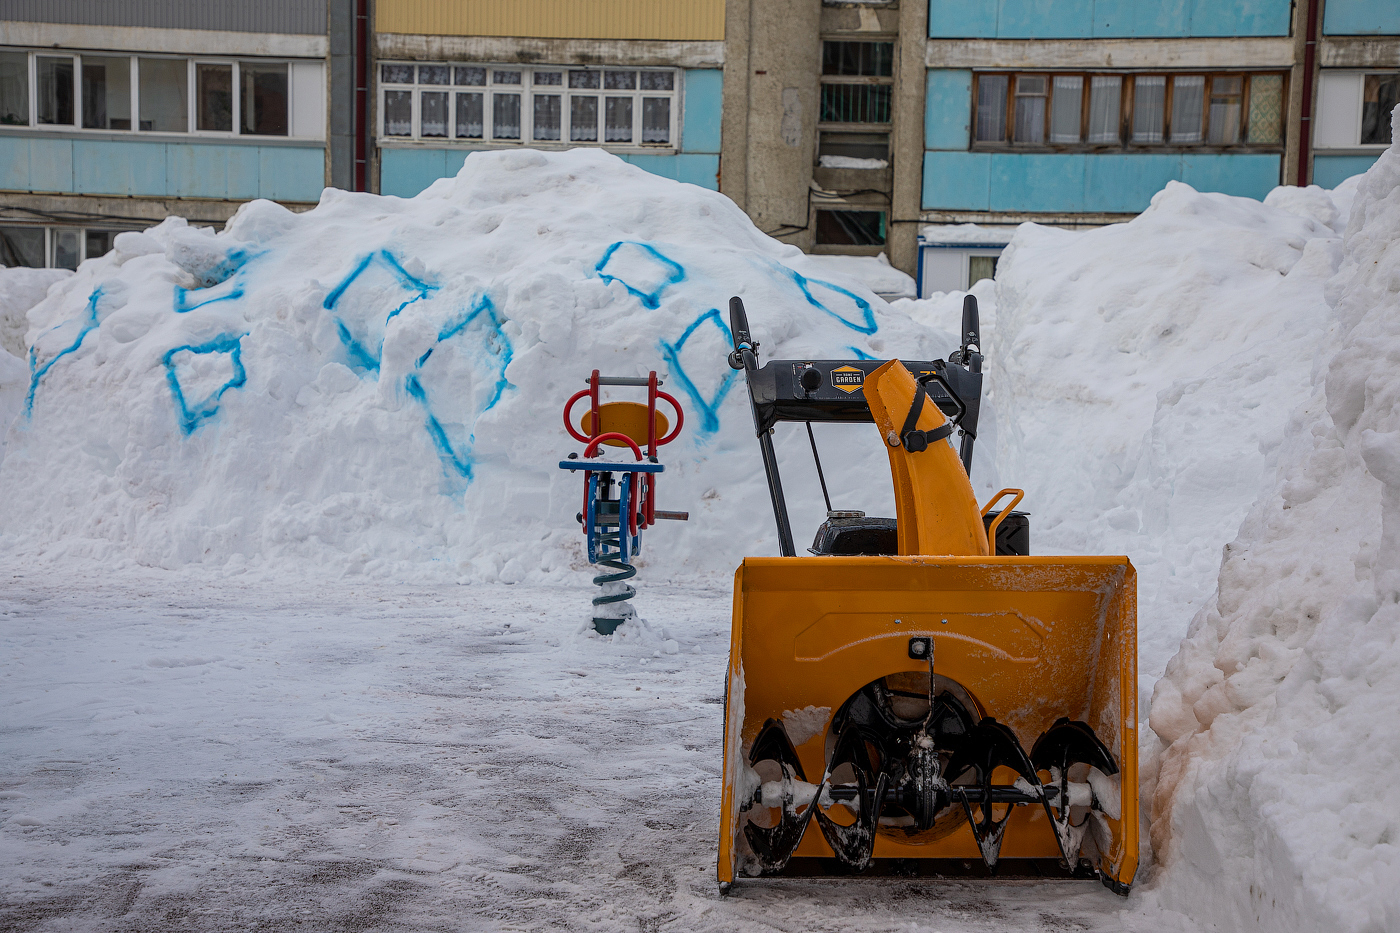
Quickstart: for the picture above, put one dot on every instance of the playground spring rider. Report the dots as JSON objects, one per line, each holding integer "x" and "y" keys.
{"x": 614, "y": 525}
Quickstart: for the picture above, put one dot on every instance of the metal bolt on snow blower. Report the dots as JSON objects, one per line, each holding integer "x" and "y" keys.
{"x": 619, "y": 497}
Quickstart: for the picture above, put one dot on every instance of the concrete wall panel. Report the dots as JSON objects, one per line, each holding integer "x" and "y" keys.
{"x": 146, "y": 168}
{"x": 962, "y": 18}
{"x": 1129, "y": 19}
{"x": 1045, "y": 19}
{"x": 1247, "y": 176}
{"x": 1081, "y": 182}
{"x": 948, "y": 109}
{"x": 957, "y": 181}
{"x": 307, "y": 17}
{"x": 1361, "y": 18}
{"x": 1329, "y": 171}
{"x": 704, "y": 98}
{"x": 562, "y": 19}
{"x": 1075, "y": 19}
{"x": 1016, "y": 180}
{"x": 1124, "y": 182}
{"x": 50, "y": 165}
{"x": 14, "y": 163}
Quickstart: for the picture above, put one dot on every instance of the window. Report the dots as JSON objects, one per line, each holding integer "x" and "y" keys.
{"x": 152, "y": 94}
{"x": 850, "y": 228}
{"x": 106, "y": 93}
{"x": 1379, "y": 95}
{"x": 509, "y": 104}
{"x": 164, "y": 82}
{"x": 1078, "y": 110}
{"x": 857, "y": 82}
{"x": 263, "y": 95}
{"x": 54, "y": 97}
{"x": 38, "y": 247}
{"x": 14, "y": 88}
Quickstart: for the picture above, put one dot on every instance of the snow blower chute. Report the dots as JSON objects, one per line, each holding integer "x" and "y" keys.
{"x": 921, "y": 694}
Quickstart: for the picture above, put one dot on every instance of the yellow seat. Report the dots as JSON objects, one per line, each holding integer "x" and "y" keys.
{"x": 629, "y": 418}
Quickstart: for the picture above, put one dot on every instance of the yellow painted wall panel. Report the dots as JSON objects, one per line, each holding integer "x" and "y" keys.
{"x": 555, "y": 19}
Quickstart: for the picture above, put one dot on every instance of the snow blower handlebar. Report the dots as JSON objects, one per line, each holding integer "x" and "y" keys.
{"x": 832, "y": 391}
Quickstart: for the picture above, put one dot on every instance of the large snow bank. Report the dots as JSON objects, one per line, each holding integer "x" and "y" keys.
{"x": 1140, "y": 376}
{"x": 1277, "y": 805}
{"x": 376, "y": 385}
{"x": 874, "y": 272}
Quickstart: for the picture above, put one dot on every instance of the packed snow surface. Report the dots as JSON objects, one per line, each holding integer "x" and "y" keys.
{"x": 874, "y": 272}
{"x": 371, "y": 392}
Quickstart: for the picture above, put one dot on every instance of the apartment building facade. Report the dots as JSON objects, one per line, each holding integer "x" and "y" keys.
{"x": 844, "y": 126}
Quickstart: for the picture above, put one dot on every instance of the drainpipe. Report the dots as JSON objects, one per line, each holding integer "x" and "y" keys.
{"x": 361, "y": 95}
{"x": 1305, "y": 119}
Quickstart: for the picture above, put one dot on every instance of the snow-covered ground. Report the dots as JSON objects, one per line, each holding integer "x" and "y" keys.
{"x": 326, "y": 443}
{"x": 181, "y": 754}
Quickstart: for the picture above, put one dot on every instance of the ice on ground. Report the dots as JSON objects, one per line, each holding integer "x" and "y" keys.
{"x": 1276, "y": 805}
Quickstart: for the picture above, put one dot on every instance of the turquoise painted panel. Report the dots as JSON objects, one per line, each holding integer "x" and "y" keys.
{"x": 287, "y": 174}
{"x": 452, "y": 161}
{"x": 405, "y": 172}
{"x": 1329, "y": 171}
{"x": 962, "y": 19}
{"x": 118, "y": 167}
{"x": 1131, "y": 18}
{"x": 1247, "y": 176}
{"x": 1045, "y": 19}
{"x": 956, "y": 181}
{"x": 692, "y": 168}
{"x": 1073, "y": 19}
{"x": 1125, "y": 182}
{"x": 1240, "y": 17}
{"x": 1023, "y": 182}
{"x": 704, "y": 103}
{"x": 197, "y": 171}
{"x": 1361, "y": 18}
{"x": 50, "y": 165}
{"x": 948, "y": 109}
{"x": 243, "y": 168}
{"x": 14, "y": 163}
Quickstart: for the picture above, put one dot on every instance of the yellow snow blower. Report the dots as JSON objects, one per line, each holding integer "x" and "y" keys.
{"x": 887, "y": 687}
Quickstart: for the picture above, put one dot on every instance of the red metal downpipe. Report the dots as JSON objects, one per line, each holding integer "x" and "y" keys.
{"x": 1305, "y": 120}
{"x": 361, "y": 95}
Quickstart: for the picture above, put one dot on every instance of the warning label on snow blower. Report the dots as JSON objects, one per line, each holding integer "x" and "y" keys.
{"x": 848, "y": 379}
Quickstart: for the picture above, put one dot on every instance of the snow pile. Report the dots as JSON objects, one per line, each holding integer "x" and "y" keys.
{"x": 1276, "y": 805}
{"x": 874, "y": 272}
{"x": 20, "y": 290}
{"x": 1142, "y": 374}
{"x": 376, "y": 385}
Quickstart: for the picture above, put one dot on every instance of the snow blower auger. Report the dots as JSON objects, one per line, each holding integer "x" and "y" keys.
{"x": 614, "y": 526}
{"x": 887, "y": 687}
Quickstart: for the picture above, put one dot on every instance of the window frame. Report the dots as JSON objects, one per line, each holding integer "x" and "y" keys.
{"x": 528, "y": 90}
{"x": 192, "y": 63}
{"x": 1126, "y": 98}
{"x": 826, "y": 80}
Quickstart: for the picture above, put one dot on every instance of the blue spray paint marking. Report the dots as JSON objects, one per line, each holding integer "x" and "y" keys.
{"x": 861, "y": 354}
{"x": 367, "y": 357}
{"x": 456, "y": 458}
{"x": 867, "y": 324}
{"x": 708, "y": 408}
{"x": 89, "y": 323}
{"x": 668, "y": 272}
{"x": 191, "y": 418}
{"x": 183, "y": 305}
